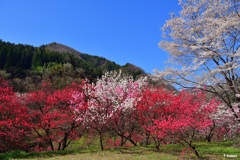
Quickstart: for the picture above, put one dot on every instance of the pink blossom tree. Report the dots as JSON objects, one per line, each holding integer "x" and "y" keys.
{"x": 225, "y": 123}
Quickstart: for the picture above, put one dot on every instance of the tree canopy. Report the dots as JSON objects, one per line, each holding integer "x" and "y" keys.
{"x": 203, "y": 41}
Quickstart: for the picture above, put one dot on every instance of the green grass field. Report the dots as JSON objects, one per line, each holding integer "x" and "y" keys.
{"x": 210, "y": 151}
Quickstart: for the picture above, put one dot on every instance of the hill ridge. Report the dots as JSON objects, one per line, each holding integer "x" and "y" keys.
{"x": 62, "y": 48}
{"x": 27, "y": 66}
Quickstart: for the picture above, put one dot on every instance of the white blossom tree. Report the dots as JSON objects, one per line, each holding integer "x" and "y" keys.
{"x": 114, "y": 93}
{"x": 203, "y": 41}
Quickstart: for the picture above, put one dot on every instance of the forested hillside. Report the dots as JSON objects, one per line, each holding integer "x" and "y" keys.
{"x": 26, "y": 66}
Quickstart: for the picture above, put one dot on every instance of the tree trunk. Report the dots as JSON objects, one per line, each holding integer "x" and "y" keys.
{"x": 101, "y": 140}
{"x": 123, "y": 141}
{"x": 196, "y": 153}
{"x": 59, "y": 146}
{"x": 130, "y": 140}
{"x": 147, "y": 138}
{"x": 194, "y": 150}
{"x": 158, "y": 147}
{"x": 51, "y": 144}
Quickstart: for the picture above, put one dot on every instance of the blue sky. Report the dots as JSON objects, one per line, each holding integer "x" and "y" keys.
{"x": 124, "y": 31}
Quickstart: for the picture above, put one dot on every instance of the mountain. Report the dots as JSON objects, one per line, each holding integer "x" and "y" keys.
{"x": 26, "y": 66}
{"x": 61, "y": 48}
{"x": 97, "y": 61}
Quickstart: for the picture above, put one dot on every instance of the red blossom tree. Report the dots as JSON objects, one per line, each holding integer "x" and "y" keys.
{"x": 57, "y": 116}
{"x": 14, "y": 126}
{"x": 195, "y": 111}
{"x": 169, "y": 116}
{"x": 154, "y": 112}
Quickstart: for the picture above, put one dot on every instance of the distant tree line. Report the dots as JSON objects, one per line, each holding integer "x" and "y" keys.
{"x": 25, "y": 66}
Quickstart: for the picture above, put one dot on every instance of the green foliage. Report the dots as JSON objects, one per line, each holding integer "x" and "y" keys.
{"x": 132, "y": 70}
{"x": 27, "y": 66}
{"x": 15, "y": 56}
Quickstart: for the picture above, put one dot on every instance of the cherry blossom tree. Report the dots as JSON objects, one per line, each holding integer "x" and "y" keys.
{"x": 57, "y": 116}
{"x": 203, "y": 41}
{"x": 14, "y": 125}
{"x": 111, "y": 102}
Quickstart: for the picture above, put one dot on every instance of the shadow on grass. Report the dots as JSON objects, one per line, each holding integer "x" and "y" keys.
{"x": 142, "y": 150}
{"x": 138, "y": 150}
{"x": 45, "y": 154}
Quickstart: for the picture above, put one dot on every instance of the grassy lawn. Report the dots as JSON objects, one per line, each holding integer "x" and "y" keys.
{"x": 211, "y": 151}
